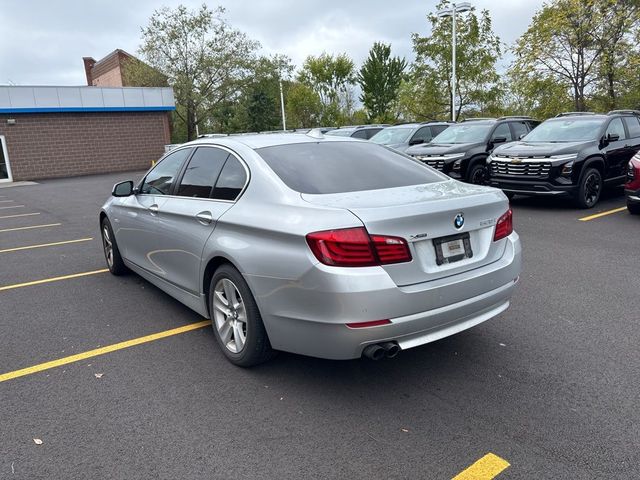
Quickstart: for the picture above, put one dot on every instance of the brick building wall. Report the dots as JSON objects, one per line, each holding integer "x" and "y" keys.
{"x": 47, "y": 145}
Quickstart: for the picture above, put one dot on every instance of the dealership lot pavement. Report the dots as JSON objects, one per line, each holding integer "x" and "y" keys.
{"x": 551, "y": 386}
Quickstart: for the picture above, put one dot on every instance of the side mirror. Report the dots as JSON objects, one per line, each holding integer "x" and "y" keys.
{"x": 416, "y": 141}
{"x": 522, "y": 135}
{"x": 123, "y": 189}
{"x": 499, "y": 140}
{"x": 612, "y": 137}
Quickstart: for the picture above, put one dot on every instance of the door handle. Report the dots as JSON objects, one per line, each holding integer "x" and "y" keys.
{"x": 204, "y": 217}
{"x": 153, "y": 209}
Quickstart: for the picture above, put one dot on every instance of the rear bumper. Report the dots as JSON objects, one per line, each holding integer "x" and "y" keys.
{"x": 309, "y": 316}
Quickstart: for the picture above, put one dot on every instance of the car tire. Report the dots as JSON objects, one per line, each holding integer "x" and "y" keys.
{"x": 236, "y": 320}
{"x": 634, "y": 208}
{"x": 479, "y": 174}
{"x": 589, "y": 189}
{"x": 111, "y": 251}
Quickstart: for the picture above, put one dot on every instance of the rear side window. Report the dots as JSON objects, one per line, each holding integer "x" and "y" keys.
{"x": 633, "y": 125}
{"x": 231, "y": 181}
{"x": 159, "y": 180}
{"x": 202, "y": 172}
{"x": 336, "y": 167}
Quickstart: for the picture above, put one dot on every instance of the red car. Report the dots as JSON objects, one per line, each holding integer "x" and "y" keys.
{"x": 632, "y": 187}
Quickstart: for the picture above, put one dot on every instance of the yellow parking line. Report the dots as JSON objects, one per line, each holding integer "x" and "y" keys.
{"x": 20, "y": 215}
{"x": 53, "y": 279}
{"x": 31, "y": 227}
{"x": 12, "y": 206}
{"x": 53, "y": 244}
{"x": 602, "y": 214}
{"x": 486, "y": 468}
{"x": 101, "y": 351}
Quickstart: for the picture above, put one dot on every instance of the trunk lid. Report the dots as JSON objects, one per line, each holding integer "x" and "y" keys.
{"x": 422, "y": 213}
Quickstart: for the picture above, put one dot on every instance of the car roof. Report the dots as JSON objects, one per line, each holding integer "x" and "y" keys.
{"x": 255, "y": 141}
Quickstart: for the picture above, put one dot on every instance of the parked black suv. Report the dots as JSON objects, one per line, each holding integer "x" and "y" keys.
{"x": 364, "y": 132}
{"x": 572, "y": 154}
{"x": 461, "y": 150}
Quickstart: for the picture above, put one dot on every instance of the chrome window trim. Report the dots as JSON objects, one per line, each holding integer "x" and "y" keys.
{"x": 222, "y": 147}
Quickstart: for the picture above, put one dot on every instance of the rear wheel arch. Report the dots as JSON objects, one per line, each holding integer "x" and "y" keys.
{"x": 212, "y": 265}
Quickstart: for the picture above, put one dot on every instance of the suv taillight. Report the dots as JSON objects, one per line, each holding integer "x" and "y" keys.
{"x": 354, "y": 247}
{"x": 504, "y": 226}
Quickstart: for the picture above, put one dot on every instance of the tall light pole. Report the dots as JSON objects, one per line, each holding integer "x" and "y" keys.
{"x": 284, "y": 119}
{"x": 451, "y": 12}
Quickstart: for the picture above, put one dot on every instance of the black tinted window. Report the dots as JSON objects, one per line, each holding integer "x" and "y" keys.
{"x": 519, "y": 129}
{"x": 158, "y": 181}
{"x": 335, "y": 167}
{"x": 360, "y": 134}
{"x": 202, "y": 172}
{"x": 423, "y": 134}
{"x": 616, "y": 128}
{"x": 502, "y": 130}
{"x": 633, "y": 125}
{"x": 231, "y": 180}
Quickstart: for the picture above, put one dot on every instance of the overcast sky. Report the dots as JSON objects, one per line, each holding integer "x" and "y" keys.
{"x": 43, "y": 41}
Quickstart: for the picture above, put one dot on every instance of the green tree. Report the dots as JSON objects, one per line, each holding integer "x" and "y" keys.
{"x": 205, "y": 60}
{"x": 577, "y": 45}
{"x": 303, "y": 106}
{"x": 331, "y": 78}
{"x": 478, "y": 49}
{"x": 379, "y": 78}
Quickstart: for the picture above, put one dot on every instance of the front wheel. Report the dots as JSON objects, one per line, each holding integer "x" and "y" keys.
{"x": 479, "y": 174}
{"x": 236, "y": 320}
{"x": 589, "y": 189}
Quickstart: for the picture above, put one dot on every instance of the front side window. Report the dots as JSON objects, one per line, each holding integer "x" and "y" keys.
{"x": 422, "y": 135}
{"x": 159, "y": 180}
{"x": 616, "y": 128}
{"x": 502, "y": 131}
{"x": 338, "y": 167}
{"x": 360, "y": 134}
{"x": 519, "y": 129}
{"x": 202, "y": 172}
{"x": 231, "y": 181}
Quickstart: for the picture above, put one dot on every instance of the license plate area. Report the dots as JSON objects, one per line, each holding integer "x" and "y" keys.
{"x": 452, "y": 248}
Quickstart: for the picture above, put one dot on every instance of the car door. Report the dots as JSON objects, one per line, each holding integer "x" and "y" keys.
{"x": 615, "y": 151}
{"x": 135, "y": 218}
{"x": 189, "y": 217}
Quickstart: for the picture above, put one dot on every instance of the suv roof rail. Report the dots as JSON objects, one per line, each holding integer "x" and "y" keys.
{"x": 572, "y": 114}
{"x": 510, "y": 117}
{"x": 436, "y": 121}
{"x": 213, "y": 135}
{"x": 405, "y": 123}
{"x": 477, "y": 119}
{"x": 628, "y": 112}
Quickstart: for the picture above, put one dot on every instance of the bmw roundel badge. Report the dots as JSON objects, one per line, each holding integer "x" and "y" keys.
{"x": 458, "y": 222}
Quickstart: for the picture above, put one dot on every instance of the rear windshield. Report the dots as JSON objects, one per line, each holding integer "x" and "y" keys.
{"x": 337, "y": 167}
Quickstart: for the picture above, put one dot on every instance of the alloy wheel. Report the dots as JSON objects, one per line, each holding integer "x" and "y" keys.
{"x": 108, "y": 246}
{"x": 592, "y": 189}
{"x": 480, "y": 176}
{"x": 230, "y": 315}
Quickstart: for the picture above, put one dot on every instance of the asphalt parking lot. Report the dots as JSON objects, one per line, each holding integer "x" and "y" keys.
{"x": 550, "y": 387}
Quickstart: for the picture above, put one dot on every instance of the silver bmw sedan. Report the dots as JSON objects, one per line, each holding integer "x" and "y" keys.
{"x": 330, "y": 247}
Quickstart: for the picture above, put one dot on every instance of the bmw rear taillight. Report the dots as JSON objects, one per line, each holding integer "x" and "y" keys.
{"x": 504, "y": 226}
{"x": 354, "y": 247}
